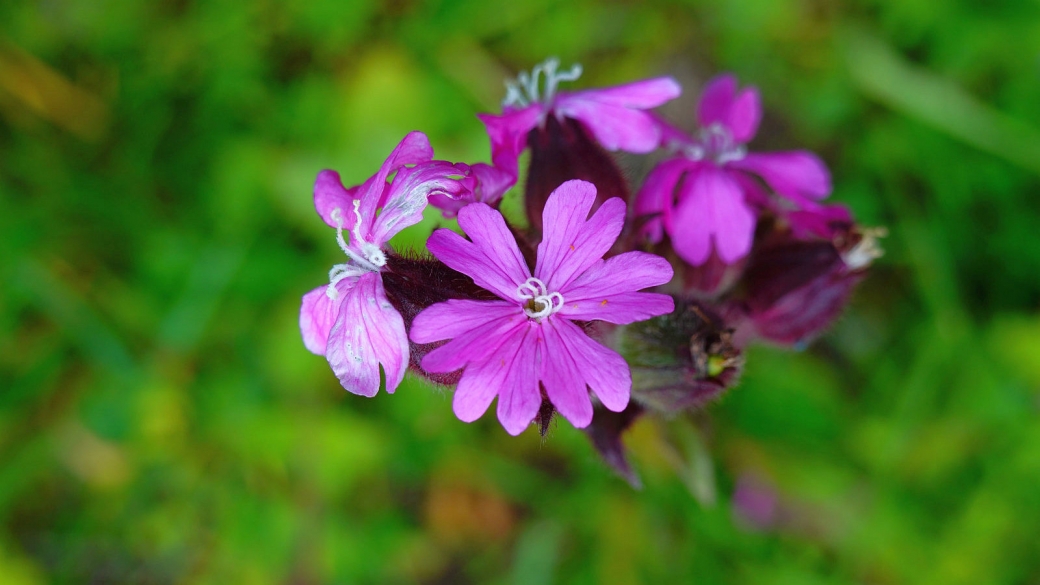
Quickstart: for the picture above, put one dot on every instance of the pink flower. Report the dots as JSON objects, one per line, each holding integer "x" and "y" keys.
{"x": 613, "y": 115}
{"x": 529, "y": 340}
{"x": 484, "y": 184}
{"x": 705, "y": 197}
{"x": 350, "y": 321}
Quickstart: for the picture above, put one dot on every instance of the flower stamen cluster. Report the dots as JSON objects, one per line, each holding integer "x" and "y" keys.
{"x": 714, "y": 143}
{"x": 539, "y": 302}
{"x": 524, "y": 90}
{"x": 371, "y": 258}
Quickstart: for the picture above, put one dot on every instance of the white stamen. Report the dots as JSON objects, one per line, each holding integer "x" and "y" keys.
{"x": 715, "y": 142}
{"x": 866, "y": 250}
{"x": 373, "y": 254}
{"x": 338, "y": 273}
{"x": 545, "y": 303}
{"x": 371, "y": 258}
{"x": 523, "y": 91}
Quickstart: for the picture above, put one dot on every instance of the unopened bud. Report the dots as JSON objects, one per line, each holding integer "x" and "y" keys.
{"x": 682, "y": 360}
{"x": 561, "y": 151}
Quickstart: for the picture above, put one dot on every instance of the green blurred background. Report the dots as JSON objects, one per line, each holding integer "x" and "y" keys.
{"x": 161, "y": 422}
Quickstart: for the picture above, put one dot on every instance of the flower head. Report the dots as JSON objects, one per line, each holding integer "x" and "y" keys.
{"x": 528, "y": 342}
{"x": 704, "y": 198}
{"x": 350, "y": 321}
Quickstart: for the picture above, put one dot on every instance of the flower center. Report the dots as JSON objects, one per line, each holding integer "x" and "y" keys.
{"x": 367, "y": 257}
{"x": 866, "y": 250}
{"x": 715, "y": 143}
{"x": 523, "y": 91}
{"x": 540, "y": 303}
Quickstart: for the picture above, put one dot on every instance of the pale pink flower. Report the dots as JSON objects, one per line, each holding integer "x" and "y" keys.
{"x": 350, "y": 321}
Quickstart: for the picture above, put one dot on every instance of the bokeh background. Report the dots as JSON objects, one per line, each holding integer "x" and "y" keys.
{"x": 161, "y": 422}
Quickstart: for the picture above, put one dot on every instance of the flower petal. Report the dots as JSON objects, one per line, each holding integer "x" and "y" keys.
{"x": 605, "y": 371}
{"x": 648, "y": 93}
{"x": 408, "y": 194}
{"x": 491, "y": 182}
{"x": 735, "y": 220}
{"x": 615, "y": 127}
{"x": 519, "y": 397}
{"x": 658, "y": 195}
{"x": 471, "y": 346}
{"x": 413, "y": 149}
{"x": 329, "y": 194}
{"x": 620, "y": 309}
{"x": 614, "y": 114}
{"x": 456, "y": 316}
{"x": 508, "y": 134}
{"x": 712, "y": 204}
{"x": 744, "y": 115}
{"x": 607, "y": 290}
{"x": 716, "y": 98}
{"x": 562, "y": 377}
{"x": 492, "y": 259}
{"x": 689, "y": 225}
{"x": 571, "y": 243}
{"x": 485, "y": 379}
{"x": 721, "y": 104}
{"x": 318, "y": 314}
{"x": 795, "y": 174}
{"x": 367, "y": 333}
{"x": 476, "y": 389}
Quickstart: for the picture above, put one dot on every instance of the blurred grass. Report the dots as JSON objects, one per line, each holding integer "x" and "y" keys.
{"x": 160, "y": 421}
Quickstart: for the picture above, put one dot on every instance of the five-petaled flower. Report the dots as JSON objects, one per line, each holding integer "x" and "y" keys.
{"x": 533, "y": 338}
{"x": 350, "y": 321}
{"x": 706, "y": 193}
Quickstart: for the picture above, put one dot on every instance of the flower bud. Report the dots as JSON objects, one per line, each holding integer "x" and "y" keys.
{"x": 794, "y": 290}
{"x": 681, "y": 360}
{"x": 561, "y": 151}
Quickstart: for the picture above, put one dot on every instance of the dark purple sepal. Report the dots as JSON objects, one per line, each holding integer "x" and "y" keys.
{"x": 413, "y": 283}
{"x": 795, "y": 290}
{"x": 605, "y": 432}
{"x": 545, "y": 414}
{"x": 682, "y": 360}
{"x": 561, "y": 151}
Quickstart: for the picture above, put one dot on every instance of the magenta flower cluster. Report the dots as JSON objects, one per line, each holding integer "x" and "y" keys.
{"x": 604, "y": 306}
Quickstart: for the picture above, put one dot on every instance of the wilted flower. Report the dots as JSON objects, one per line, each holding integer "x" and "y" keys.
{"x": 795, "y": 288}
{"x": 528, "y": 342}
{"x": 350, "y": 321}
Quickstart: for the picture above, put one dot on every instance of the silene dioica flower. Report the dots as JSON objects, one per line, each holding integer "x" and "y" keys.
{"x": 603, "y": 309}
{"x": 531, "y": 341}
